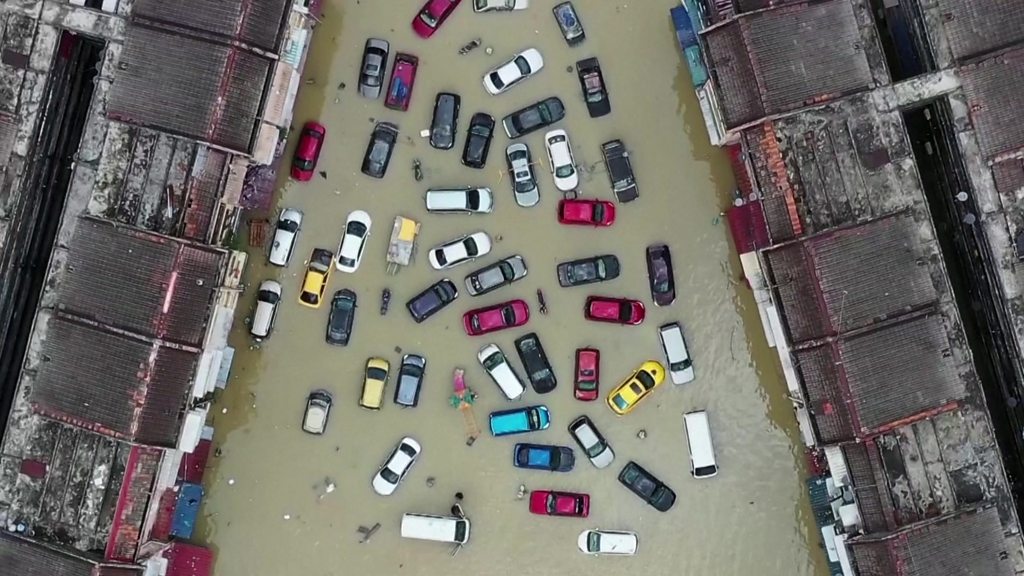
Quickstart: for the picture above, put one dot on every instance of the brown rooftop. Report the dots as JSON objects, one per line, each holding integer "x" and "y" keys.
{"x": 993, "y": 88}
{"x": 21, "y": 557}
{"x": 258, "y": 23}
{"x": 974, "y": 28}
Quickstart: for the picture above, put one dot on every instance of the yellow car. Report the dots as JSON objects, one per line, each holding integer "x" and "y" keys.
{"x": 318, "y": 272}
{"x": 376, "y": 378}
{"x": 627, "y": 395}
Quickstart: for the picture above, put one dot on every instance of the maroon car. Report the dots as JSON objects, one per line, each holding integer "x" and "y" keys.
{"x": 660, "y": 276}
{"x": 614, "y": 310}
{"x": 588, "y": 372}
{"x": 403, "y": 78}
{"x": 553, "y": 503}
{"x": 583, "y": 212}
{"x": 307, "y": 152}
{"x": 498, "y": 317}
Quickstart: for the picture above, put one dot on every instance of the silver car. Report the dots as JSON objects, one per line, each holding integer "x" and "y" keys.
{"x": 375, "y": 63}
{"x": 501, "y": 273}
{"x": 520, "y": 169}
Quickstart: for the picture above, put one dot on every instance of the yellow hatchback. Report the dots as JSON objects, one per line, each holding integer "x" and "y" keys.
{"x": 318, "y": 273}
{"x": 627, "y": 395}
{"x": 374, "y": 382}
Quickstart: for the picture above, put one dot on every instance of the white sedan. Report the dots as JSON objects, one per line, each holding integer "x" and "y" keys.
{"x": 288, "y": 224}
{"x": 561, "y": 160}
{"x": 353, "y": 241}
{"x": 520, "y": 67}
{"x": 499, "y": 5}
{"x": 460, "y": 251}
{"x": 396, "y": 466}
{"x": 608, "y": 542}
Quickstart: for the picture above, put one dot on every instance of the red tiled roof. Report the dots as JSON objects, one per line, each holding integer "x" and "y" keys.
{"x": 188, "y": 560}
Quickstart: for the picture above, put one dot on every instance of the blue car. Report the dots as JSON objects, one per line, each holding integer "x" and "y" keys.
{"x": 543, "y": 457}
{"x": 519, "y": 420}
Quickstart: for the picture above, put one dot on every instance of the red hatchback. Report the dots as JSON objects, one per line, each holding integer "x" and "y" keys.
{"x": 552, "y": 503}
{"x": 307, "y": 152}
{"x": 614, "y": 310}
{"x": 586, "y": 212}
{"x": 403, "y": 78}
{"x": 498, "y": 317}
{"x": 433, "y": 14}
{"x": 588, "y": 371}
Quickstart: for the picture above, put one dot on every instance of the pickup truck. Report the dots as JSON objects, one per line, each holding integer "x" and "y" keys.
{"x": 620, "y": 170}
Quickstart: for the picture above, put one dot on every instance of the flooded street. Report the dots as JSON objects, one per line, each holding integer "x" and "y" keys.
{"x": 267, "y": 511}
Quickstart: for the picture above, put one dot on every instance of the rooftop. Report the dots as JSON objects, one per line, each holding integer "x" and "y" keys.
{"x": 993, "y": 88}
{"x": 22, "y": 557}
{"x": 975, "y": 28}
{"x": 258, "y": 23}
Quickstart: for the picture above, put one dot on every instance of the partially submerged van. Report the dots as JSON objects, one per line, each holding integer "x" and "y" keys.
{"x": 437, "y": 528}
{"x": 267, "y": 299}
{"x": 680, "y": 365}
{"x": 519, "y": 420}
{"x": 698, "y": 440}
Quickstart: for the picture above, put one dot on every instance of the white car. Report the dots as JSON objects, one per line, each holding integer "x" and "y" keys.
{"x": 608, "y": 542}
{"x": 288, "y": 224}
{"x": 499, "y": 5}
{"x": 560, "y": 158}
{"x": 680, "y": 365}
{"x": 590, "y": 440}
{"x": 520, "y": 67}
{"x": 396, "y": 466}
{"x": 496, "y": 365}
{"x": 353, "y": 241}
{"x": 460, "y": 251}
{"x": 460, "y": 200}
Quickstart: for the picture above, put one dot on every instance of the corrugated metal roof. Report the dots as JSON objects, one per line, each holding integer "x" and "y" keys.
{"x": 974, "y": 28}
{"x": 993, "y": 89}
{"x": 733, "y": 72}
{"x": 22, "y": 557}
{"x": 189, "y": 87}
{"x": 144, "y": 283}
{"x": 258, "y": 23}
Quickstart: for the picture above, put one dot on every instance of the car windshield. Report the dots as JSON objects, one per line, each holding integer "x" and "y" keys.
{"x": 602, "y": 271}
{"x": 593, "y": 542}
{"x": 523, "y": 182}
{"x": 625, "y": 312}
{"x": 408, "y": 450}
{"x": 645, "y": 379}
{"x": 534, "y": 417}
{"x": 704, "y": 471}
{"x": 595, "y": 449}
{"x": 523, "y": 65}
{"x": 287, "y": 225}
{"x": 303, "y": 164}
{"x": 441, "y": 259}
{"x": 473, "y": 199}
{"x": 598, "y": 215}
{"x": 356, "y": 229}
{"x": 587, "y": 385}
{"x": 493, "y": 361}
{"x": 496, "y": 80}
{"x": 375, "y": 373}
{"x": 310, "y": 298}
{"x": 389, "y": 475}
{"x": 428, "y": 18}
{"x": 346, "y": 261}
{"x": 620, "y": 402}
{"x": 565, "y": 171}
{"x": 471, "y": 247}
{"x": 508, "y": 315}
{"x": 681, "y": 365}
{"x": 267, "y": 296}
{"x": 552, "y": 503}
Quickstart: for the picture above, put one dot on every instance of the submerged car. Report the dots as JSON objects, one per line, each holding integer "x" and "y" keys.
{"x": 624, "y": 397}
{"x": 569, "y": 23}
{"x": 432, "y": 300}
{"x": 595, "y": 92}
{"x": 497, "y": 317}
{"x": 534, "y": 117}
{"x": 432, "y": 15}
{"x": 520, "y": 171}
{"x": 614, "y": 310}
{"x": 660, "y": 276}
{"x": 584, "y": 212}
{"x": 410, "y": 380}
{"x": 647, "y": 487}
{"x": 371, "y": 71}
{"x": 608, "y": 542}
{"x": 561, "y": 160}
{"x": 478, "y": 140}
{"x": 375, "y": 380}
{"x": 554, "y": 503}
{"x": 497, "y": 366}
{"x": 499, "y": 5}
{"x": 535, "y": 360}
{"x": 590, "y": 440}
{"x": 460, "y": 250}
{"x": 379, "y": 149}
{"x": 445, "y": 120}
{"x": 285, "y": 233}
{"x": 307, "y": 152}
{"x": 543, "y": 457}
{"x": 353, "y": 241}
{"x": 318, "y": 274}
{"x": 519, "y": 420}
{"x": 403, "y": 79}
{"x": 342, "y": 317}
{"x": 588, "y": 373}
{"x": 518, "y": 68}
{"x": 620, "y": 171}
{"x": 588, "y": 270}
{"x": 397, "y": 465}
{"x": 501, "y": 273}
{"x": 318, "y": 410}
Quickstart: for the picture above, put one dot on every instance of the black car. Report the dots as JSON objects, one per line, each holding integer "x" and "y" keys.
{"x": 445, "y": 120}
{"x": 534, "y": 117}
{"x": 620, "y": 170}
{"x": 588, "y": 270}
{"x": 432, "y": 300}
{"x": 647, "y": 487}
{"x": 371, "y": 71}
{"x": 660, "y": 276}
{"x": 538, "y": 369}
{"x": 410, "y": 380}
{"x": 378, "y": 151}
{"x": 595, "y": 92}
{"x": 478, "y": 140}
{"x": 342, "y": 317}
{"x": 543, "y": 457}
{"x": 569, "y": 23}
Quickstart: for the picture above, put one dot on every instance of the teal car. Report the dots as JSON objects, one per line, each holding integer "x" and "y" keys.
{"x": 519, "y": 420}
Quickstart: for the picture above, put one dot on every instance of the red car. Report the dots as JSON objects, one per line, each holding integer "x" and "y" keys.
{"x": 433, "y": 14}
{"x": 307, "y": 152}
{"x": 498, "y": 317}
{"x": 588, "y": 370}
{"x": 403, "y": 78}
{"x": 552, "y": 503}
{"x": 586, "y": 212}
{"x": 614, "y": 310}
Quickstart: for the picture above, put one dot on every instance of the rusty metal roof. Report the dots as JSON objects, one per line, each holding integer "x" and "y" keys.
{"x": 147, "y": 284}
{"x": 189, "y": 87}
{"x": 111, "y": 383}
{"x": 23, "y": 557}
{"x": 975, "y": 28}
{"x": 993, "y": 89}
{"x": 258, "y": 23}
{"x": 787, "y": 58}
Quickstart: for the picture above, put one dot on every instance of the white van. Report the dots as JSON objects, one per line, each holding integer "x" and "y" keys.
{"x": 698, "y": 439}
{"x": 500, "y": 370}
{"x": 288, "y": 224}
{"x": 436, "y": 528}
{"x": 680, "y": 367}
{"x": 464, "y": 200}
{"x": 267, "y": 299}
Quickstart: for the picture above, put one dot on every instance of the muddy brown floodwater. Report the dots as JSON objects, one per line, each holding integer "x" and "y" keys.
{"x": 267, "y": 511}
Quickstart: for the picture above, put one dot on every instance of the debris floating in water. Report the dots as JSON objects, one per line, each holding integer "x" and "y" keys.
{"x": 641, "y": 434}
{"x": 231, "y": 481}
{"x": 522, "y": 492}
{"x": 431, "y": 481}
